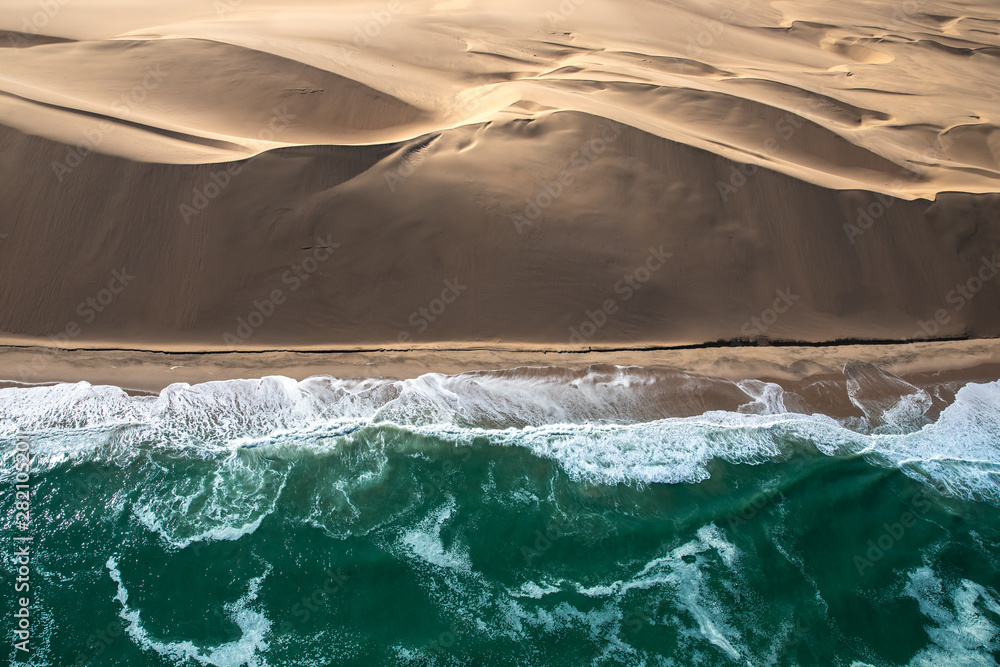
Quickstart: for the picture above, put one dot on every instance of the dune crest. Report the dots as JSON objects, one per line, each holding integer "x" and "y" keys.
{"x": 573, "y": 174}
{"x": 885, "y": 89}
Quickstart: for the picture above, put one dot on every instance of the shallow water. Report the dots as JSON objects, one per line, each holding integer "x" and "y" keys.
{"x": 501, "y": 520}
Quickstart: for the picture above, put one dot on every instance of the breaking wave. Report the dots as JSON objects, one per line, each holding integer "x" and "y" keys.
{"x": 608, "y": 425}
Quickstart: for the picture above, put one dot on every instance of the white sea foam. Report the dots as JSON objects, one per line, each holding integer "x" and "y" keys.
{"x": 68, "y": 406}
{"x": 768, "y": 398}
{"x": 607, "y": 425}
{"x": 681, "y": 576}
{"x": 517, "y": 399}
{"x": 530, "y": 589}
{"x": 425, "y": 542}
{"x": 961, "y": 632}
{"x": 960, "y": 452}
{"x": 229, "y": 503}
{"x": 255, "y": 408}
{"x": 247, "y": 650}
{"x": 890, "y": 403}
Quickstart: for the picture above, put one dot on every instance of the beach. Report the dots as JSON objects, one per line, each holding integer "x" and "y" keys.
{"x": 459, "y": 332}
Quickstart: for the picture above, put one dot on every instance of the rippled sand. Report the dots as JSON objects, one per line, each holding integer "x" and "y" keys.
{"x": 580, "y": 174}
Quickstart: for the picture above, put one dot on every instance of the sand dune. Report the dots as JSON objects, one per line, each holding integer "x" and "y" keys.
{"x": 899, "y": 82}
{"x": 575, "y": 173}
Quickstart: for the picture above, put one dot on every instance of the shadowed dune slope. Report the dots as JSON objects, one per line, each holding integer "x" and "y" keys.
{"x": 540, "y": 225}
{"x": 563, "y": 173}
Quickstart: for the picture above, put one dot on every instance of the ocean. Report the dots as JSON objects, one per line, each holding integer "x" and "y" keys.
{"x": 509, "y": 518}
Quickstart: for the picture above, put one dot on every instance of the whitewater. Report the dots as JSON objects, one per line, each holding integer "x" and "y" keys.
{"x": 531, "y": 516}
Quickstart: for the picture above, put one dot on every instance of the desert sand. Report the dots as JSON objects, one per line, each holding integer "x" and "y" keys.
{"x": 475, "y": 175}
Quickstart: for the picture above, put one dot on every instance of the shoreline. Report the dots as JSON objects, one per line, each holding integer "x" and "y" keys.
{"x": 151, "y": 371}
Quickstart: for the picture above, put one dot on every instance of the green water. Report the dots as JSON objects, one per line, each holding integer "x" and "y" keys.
{"x": 388, "y": 546}
{"x": 479, "y": 555}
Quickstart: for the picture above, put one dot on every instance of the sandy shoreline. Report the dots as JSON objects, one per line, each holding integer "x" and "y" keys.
{"x": 577, "y": 331}
{"x": 973, "y": 360}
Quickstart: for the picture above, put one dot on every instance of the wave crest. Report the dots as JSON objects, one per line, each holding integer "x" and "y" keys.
{"x": 608, "y": 425}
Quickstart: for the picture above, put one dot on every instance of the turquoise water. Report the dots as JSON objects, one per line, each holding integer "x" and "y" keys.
{"x": 443, "y": 522}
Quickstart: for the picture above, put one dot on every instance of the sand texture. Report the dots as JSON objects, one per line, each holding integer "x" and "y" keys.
{"x": 313, "y": 175}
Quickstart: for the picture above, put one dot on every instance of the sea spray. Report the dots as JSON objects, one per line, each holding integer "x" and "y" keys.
{"x": 275, "y": 522}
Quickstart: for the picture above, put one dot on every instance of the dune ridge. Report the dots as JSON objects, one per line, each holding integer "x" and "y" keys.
{"x": 571, "y": 174}
{"x": 683, "y": 71}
